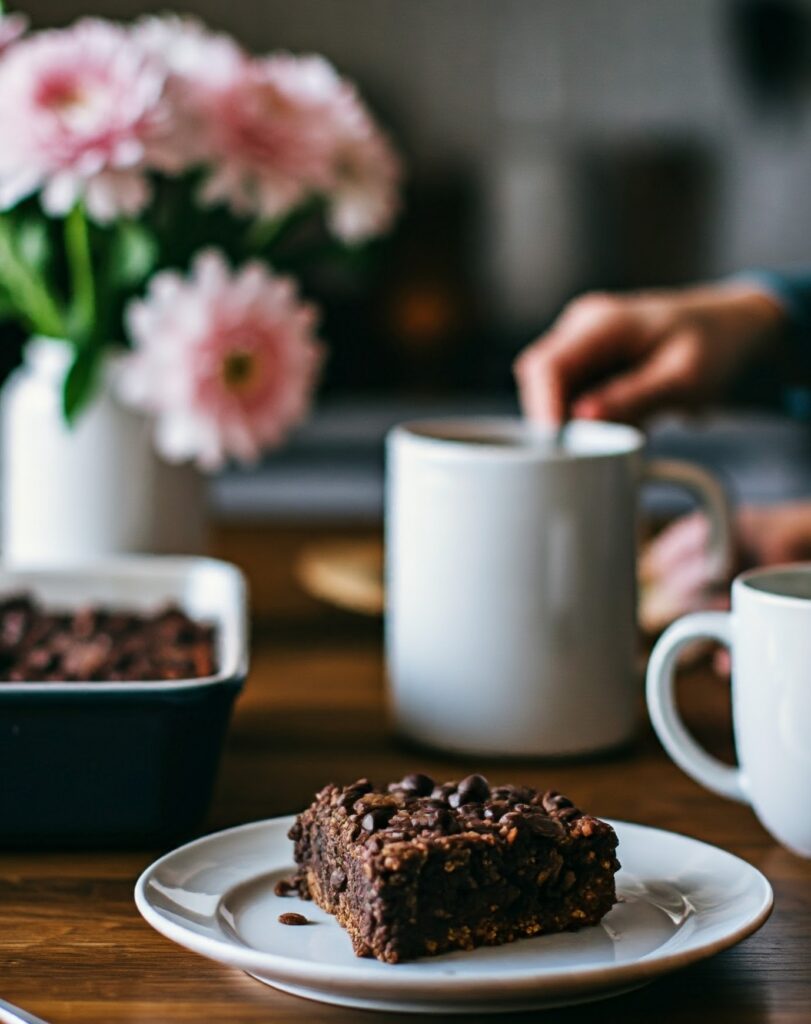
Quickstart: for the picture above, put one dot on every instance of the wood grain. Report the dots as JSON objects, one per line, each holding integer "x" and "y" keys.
{"x": 74, "y": 949}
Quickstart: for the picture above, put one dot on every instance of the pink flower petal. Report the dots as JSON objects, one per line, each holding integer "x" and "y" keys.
{"x": 77, "y": 105}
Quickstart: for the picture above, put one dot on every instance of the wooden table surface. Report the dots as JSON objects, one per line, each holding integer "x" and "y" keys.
{"x": 73, "y": 947}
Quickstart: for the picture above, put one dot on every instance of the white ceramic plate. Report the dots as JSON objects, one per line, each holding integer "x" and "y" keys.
{"x": 681, "y": 901}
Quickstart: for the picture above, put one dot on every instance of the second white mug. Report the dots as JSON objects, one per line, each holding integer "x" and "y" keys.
{"x": 511, "y": 596}
{"x": 768, "y": 632}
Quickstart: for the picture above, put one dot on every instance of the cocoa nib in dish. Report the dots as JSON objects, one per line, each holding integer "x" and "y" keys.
{"x": 95, "y": 644}
{"x": 418, "y": 868}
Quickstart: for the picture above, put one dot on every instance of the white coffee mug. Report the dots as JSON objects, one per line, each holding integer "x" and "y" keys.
{"x": 511, "y": 595}
{"x": 768, "y": 633}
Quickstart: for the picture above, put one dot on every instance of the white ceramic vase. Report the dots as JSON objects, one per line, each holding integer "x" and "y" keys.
{"x": 74, "y": 494}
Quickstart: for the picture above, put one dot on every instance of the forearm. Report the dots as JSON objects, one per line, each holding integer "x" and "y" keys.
{"x": 753, "y": 319}
{"x": 790, "y": 290}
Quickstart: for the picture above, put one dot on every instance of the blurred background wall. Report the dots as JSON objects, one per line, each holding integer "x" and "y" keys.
{"x": 559, "y": 145}
{"x": 553, "y": 145}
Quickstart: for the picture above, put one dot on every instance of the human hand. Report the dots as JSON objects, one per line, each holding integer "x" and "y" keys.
{"x": 675, "y": 572}
{"x": 772, "y": 534}
{"x": 620, "y": 357}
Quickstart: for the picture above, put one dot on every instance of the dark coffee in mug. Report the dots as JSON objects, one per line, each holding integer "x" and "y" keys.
{"x": 498, "y": 442}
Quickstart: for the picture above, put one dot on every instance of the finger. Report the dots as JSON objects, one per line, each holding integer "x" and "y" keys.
{"x": 663, "y": 601}
{"x": 722, "y": 662}
{"x": 540, "y": 389}
{"x": 774, "y": 534}
{"x": 685, "y": 538}
{"x": 670, "y": 374}
{"x": 689, "y": 581}
{"x": 786, "y": 545}
{"x": 751, "y": 524}
{"x": 592, "y": 334}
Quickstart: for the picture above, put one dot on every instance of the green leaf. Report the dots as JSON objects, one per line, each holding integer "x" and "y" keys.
{"x": 33, "y": 243}
{"x": 134, "y": 255}
{"x": 80, "y": 382}
{"x": 8, "y": 308}
{"x": 26, "y": 287}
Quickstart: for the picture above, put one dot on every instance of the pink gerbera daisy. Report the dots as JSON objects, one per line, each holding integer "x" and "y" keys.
{"x": 225, "y": 360}
{"x": 82, "y": 115}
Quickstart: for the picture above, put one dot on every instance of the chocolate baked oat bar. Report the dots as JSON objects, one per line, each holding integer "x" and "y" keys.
{"x": 420, "y": 868}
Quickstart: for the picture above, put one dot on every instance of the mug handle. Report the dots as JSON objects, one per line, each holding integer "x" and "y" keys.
{"x": 664, "y": 715}
{"x": 711, "y": 495}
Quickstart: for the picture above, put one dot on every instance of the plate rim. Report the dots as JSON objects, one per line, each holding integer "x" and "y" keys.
{"x": 317, "y": 975}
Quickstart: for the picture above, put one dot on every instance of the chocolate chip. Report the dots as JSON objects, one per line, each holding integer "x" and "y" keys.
{"x": 292, "y": 919}
{"x": 543, "y": 825}
{"x": 473, "y": 789}
{"x": 553, "y": 801}
{"x": 350, "y": 796}
{"x": 511, "y": 819}
{"x": 414, "y": 784}
{"x": 346, "y": 800}
{"x": 441, "y": 793}
{"x": 377, "y": 817}
{"x": 569, "y": 813}
{"x": 284, "y": 887}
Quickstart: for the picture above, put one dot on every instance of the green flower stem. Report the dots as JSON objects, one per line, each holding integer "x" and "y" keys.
{"x": 26, "y": 291}
{"x": 80, "y": 264}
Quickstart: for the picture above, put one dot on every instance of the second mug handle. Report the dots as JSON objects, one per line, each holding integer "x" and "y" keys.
{"x": 664, "y": 715}
{"x": 714, "y": 501}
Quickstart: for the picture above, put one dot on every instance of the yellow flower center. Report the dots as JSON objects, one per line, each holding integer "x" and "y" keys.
{"x": 239, "y": 370}
{"x": 63, "y": 96}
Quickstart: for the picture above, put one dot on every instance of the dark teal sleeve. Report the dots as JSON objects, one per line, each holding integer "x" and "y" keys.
{"x": 792, "y": 291}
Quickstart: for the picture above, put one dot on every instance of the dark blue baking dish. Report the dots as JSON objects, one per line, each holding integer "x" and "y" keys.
{"x": 120, "y": 764}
